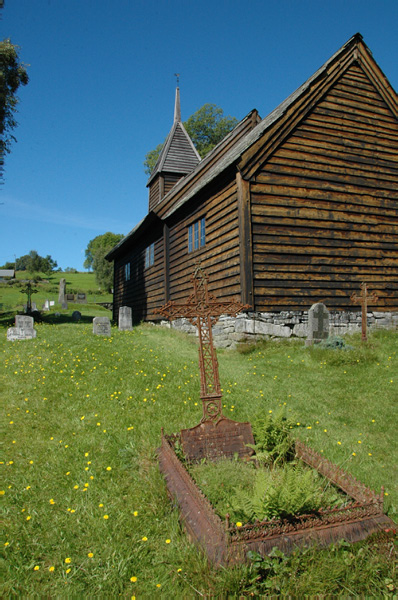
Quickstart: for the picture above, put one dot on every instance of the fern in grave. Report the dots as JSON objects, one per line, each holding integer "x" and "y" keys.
{"x": 282, "y": 493}
{"x": 274, "y": 444}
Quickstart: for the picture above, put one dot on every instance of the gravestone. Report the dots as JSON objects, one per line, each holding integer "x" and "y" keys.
{"x": 76, "y": 315}
{"x": 101, "y": 326}
{"x": 61, "y": 295}
{"x": 46, "y": 305}
{"x": 70, "y": 297}
{"x": 125, "y": 318}
{"x": 318, "y": 324}
{"x": 81, "y": 299}
{"x": 23, "y": 329}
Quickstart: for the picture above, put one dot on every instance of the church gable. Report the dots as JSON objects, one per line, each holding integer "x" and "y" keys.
{"x": 324, "y": 203}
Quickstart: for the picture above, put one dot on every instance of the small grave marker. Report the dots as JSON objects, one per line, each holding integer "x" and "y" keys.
{"x": 125, "y": 318}
{"x": 70, "y": 297}
{"x": 215, "y": 435}
{"x": 102, "y": 326}
{"x": 318, "y": 324}
{"x": 364, "y": 298}
{"x": 23, "y": 329}
{"x": 81, "y": 299}
{"x": 76, "y": 315}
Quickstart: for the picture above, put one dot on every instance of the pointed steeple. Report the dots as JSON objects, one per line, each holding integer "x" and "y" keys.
{"x": 177, "y": 158}
{"x": 177, "y": 107}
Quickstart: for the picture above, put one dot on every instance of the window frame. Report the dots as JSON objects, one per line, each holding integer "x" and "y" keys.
{"x": 197, "y": 235}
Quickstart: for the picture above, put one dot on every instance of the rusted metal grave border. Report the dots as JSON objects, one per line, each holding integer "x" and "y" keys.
{"x": 226, "y": 544}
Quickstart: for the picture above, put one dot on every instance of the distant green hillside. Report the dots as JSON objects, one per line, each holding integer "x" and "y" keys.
{"x": 12, "y": 299}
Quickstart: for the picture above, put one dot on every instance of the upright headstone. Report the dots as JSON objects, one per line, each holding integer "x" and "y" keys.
{"x": 101, "y": 326}
{"x": 62, "y": 286}
{"x": 318, "y": 324}
{"x": 61, "y": 295}
{"x": 23, "y": 329}
{"x": 125, "y": 318}
{"x": 81, "y": 298}
{"x": 76, "y": 315}
{"x": 46, "y": 305}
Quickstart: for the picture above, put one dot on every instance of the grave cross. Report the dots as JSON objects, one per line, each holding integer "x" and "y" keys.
{"x": 363, "y": 299}
{"x": 203, "y": 310}
{"x": 29, "y": 290}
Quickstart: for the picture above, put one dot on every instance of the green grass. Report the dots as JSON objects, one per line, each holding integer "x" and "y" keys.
{"x": 76, "y": 404}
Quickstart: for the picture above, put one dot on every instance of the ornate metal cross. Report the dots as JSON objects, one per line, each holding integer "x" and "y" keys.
{"x": 203, "y": 311}
{"x": 29, "y": 290}
{"x": 363, "y": 299}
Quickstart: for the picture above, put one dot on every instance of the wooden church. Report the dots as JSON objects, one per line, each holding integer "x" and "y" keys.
{"x": 297, "y": 208}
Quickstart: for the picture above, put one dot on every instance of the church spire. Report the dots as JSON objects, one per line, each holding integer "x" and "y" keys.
{"x": 177, "y": 107}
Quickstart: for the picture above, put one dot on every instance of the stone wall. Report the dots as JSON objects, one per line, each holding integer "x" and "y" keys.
{"x": 252, "y": 327}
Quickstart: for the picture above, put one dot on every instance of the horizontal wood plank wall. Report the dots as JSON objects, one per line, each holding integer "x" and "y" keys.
{"x": 154, "y": 193}
{"x": 145, "y": 290}
{"x": 219, "y": 257}
{"x": 170, "y": 179}
{"x": 325, "y": 206}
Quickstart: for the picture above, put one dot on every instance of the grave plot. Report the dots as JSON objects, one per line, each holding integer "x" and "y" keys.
{"x": 215, "y": 438}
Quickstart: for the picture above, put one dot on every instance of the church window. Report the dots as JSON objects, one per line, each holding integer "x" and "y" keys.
{"x": 149, "y": 255}
{"x": 127, "y": 272}
{"x": 196, "y": 235}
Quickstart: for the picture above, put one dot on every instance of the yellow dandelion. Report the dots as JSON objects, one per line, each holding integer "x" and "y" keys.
{"x": 51, "y": 569}
{"x": 36, "y": 568}
{"x": 133, "y": 579}
{"x": 68, "y": 560}
{"x": 135, "y": 513}
{"x": 106, "y": 517}
{"x": 109, "y": 468}
{"x": 144, "y": 539}
{"x": 168, "y": 541}
{"x": 90, "y": 555}
{"x": 239, "y": 524}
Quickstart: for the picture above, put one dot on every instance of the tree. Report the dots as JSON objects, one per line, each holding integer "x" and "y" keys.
{"x": 206, "y": 127}
{"x": 95, "y": 252}
{"x": 35, "y": 263}
{"x": 12, "y": 75}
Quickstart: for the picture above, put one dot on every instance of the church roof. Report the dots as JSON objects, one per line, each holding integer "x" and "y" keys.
{"x": 178, "y": 154}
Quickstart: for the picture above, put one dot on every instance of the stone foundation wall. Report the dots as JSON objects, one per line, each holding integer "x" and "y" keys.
{"x": 252, "y": 327}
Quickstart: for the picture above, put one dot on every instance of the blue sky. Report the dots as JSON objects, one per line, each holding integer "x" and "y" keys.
{"x": 102, "y": 86}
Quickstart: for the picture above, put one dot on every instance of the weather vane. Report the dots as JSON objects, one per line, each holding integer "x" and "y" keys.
{"x": 178, "y": 78}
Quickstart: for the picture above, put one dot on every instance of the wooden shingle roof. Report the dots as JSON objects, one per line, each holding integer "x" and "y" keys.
{"x": 178, "y": 154}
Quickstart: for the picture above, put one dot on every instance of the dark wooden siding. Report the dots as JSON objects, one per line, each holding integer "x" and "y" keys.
{"x": 219, "y": 257}
{"x": 325, "y": 205}
{"x": 170, "y": 179}
{"x": 154, "y": 193}
{"x": 145, "y": 290}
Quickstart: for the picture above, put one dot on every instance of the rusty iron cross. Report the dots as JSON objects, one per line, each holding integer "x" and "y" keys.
{"x": 364, "y": 298}
{"x": 203, "y": 310}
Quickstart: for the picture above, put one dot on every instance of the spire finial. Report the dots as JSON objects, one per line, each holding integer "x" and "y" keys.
{"x": 177, "y": 107}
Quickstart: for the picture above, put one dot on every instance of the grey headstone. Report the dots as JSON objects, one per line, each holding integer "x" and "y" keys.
{"x": 23, "y": 329}
{"x": 101, "y": 326}
{"x": 76, "y": 315}
{"x": 125, "y": 318}
{"x": 70, "y": 297}
{"x": 61, "y": 295}
{"x": 19, "y": 333}
{"x": 318, "y": 324}
{"x": 24, "y": 322}
{"x": 46, "y": 305}
{"x": 81, "y": 299}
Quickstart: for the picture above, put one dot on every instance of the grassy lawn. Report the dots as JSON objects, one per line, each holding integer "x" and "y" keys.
{"x": 85, "y": 509}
